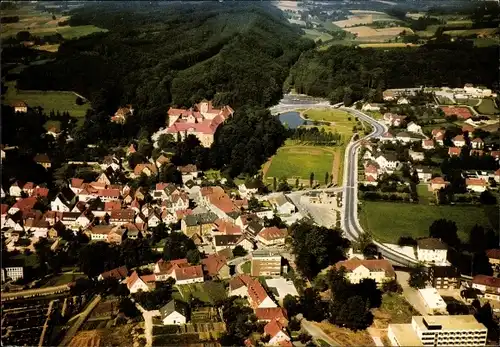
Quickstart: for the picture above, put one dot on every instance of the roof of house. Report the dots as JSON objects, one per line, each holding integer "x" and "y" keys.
{"x": 370, "y": 264}
{"x": 42, "y": 158}
{"x": 454, "y": 150}
{"x": 102, "y": 229}
{"x": 273, "y": 233}
{"x": 239, "y": 281}
{"x": 475, "y": 182}
{"x": 173, "y": 306}
{"x": 187, "y": 168}
{"x": 459, "y": 138}
{"x": 18, "y": 104}
{"x": 139, "y": 168}
{"x": 188, "y": 272}
{"x": 273, "y": 328}
{"x": 478, "y": 140}
{"x": 428, "y": 142}
{"x": 389, "y": 156}
{"x": 112, "y": 205}
{"x": 170, "y": 265}
{"x": 123, "y": 214}
{"x": 493, "y": 253}
{"x": 486, "y": 280}
{"x": 117, "y": 273}
{"x": 213, "y": 264}
{"x": 371, "y": 169}
{"x": 40, "y": 191}
{"x": 256, "y": 292}
{"x": 431, "y": 243}
{"x": 226, "y": 240}
{"x": 227, "y": 228}
{"x": 438, "y": 180}
{"x": 271, "y": 313}
{"x": 132, "y": 279}
{"x": 25, "y": 204}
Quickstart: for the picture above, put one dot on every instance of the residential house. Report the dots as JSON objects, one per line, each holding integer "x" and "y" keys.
{"x": 276, "y": 332}
{"x": 15, "y": 189}
{"x": 122, "y": 114}
{"x": 264, "y": 213}
{"x": 162, "y": 160}
{"x": 40, "y": 192}
{"x": 477, "y": 143}
{"x": 24, "y": 205}
{"x": 99, "y": 232}
{"x": 231, "y": 241}
{"x": 188, "y": 274}
{"x": 379, "y": 270}
{"x": 200, "y": 224}
{"x": 272, "y": 236}
{"x": 149, "y": 169}
{"x": 371, "y": 171}
{"x": 120, "y": 217}
{"x": 413, "y": 127}
{"x": 371, "y": 107}
{"x": 175, "y": 312}
{"x": 248, "y": 189}
{"x": 406, "y": 137}
{"x": 164, "y": 270}
{"x": 437, "y": 183}
{"x": 416, "y": 156}
{"x": 118, "y": 274}
{"x": 63, "y": 201}
{"x": 488, "y": 285}
{"x": 388, "y": 161}
{"x": 108, "y": 194}
{"x": 104, "y": 179}
{"x": 117, "y": 235}
{"x": 137, "y": 283}
{"x": 477, "y": 185}
{"x": 459, "y": 141}
{"x": 272, "y": 313}
{"x": 189, "y": 172}
{"x": 444, "y": 277}
{"x": 216, "y": 266}
{"x": 432, "y": 250}
{"x": 394, "y": 120}
{"x": 28, "y": 188}
{"x": 424, "y": 173}
{"x": 370, "y": 181}
{"x": 283, "y": 205}
{"x": 387, "y": 137}
{"x": 427, "y": 144}
{"x": 110, "y": 161}
{"x": 19, "y": 106}
{"x": 238, "y": 285}
{"x": 494, "y": 258}
{"x": 258, "y": 297}
{"x": 244, "y": 220}
{"x": 454, "y": 151}
{"x": 265, "y": 263}
{"x": 44, "y": 160}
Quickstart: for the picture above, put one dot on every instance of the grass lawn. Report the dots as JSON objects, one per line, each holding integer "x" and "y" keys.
{"x": 29, "y": 260}
{"x": 415, "y": 219}
{"x": 487, "y": 106}
{"x": 299, "y": 161}
{"x": 339, "y": 120}
{"x": 246, "y": 267}
{"x": 49, "y": 100}
{"x": 467, "y": 32}
{"x": 486, "y": 41}
{"x": 208, "y": 292}
{"x": 394, "y": 310}
{"x": 387, "y": 45}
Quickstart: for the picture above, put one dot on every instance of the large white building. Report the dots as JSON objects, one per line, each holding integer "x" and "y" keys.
{"x": 433, "y": 302}
{"x": 432, "y": 250}
{"x": 460, "y": 330}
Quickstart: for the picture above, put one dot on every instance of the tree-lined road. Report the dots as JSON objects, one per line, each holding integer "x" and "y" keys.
{"x": 350, "y": 222}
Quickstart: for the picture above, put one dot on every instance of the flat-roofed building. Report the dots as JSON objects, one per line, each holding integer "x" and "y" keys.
{"x": 265, "y": 263}
{"x": 457, "y": 330}
{"x": 444, "y": 277}
{"x": 433, "y": 302}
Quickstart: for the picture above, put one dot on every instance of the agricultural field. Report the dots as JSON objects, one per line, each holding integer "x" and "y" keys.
{"x": 316, "y": 35}
{"x": 387, "y": 45}
{"x": 366, "y": 33}
{"x": 49, "y": 100}
{"x": 415, "y": 219}
{"x": 487, "y": 106}
{"x": 42, "y": 23}
{"x": 361, "y": 17}
{"x": 295, "y": 161}
{"x": 209, "y": 292}
{"x": 466, "y": 32}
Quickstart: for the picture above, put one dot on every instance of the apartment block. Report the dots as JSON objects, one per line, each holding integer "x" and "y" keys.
{"x": 444, "y": 277}
{"x": 265, "y": 263}
{"x": 459, "y": 330}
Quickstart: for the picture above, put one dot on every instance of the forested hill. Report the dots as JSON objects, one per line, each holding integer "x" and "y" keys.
{"x": 157, "y": 54}
{"x": 350, "y": 73}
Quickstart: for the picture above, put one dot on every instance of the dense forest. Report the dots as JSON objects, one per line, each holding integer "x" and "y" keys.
{"x": 350, "y": 73}
{"x": 170, "y": 53}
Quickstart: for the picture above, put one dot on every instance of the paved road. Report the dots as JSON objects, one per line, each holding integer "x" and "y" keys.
{"x": 350, "y": 222}
{"x": 317, "y": 333}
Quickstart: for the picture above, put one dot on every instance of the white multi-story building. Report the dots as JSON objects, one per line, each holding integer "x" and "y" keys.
{"x": 432, "y": 250}
{"x": 433, "y": 302}
{"x": 459, "y": 330}
{"x": 14, "y": 273}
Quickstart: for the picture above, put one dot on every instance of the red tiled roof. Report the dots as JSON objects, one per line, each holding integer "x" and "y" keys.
{"x": 4, "y": 208}
{"x": 493, "y": 253}
{"x": 487, "y": 280}
{"x": 273, "y": 328}
{"x": 428, "y": 143}
{"x": 227, "y": 228}
{"x": 272, "y": 233}
{"x": 39, "y": 191}
{"x": 454, "y": 150}
{"x": 475, "y": 182}
{"x": 478, "y": 140}
{"x": 188, "y": 272}
{"x": 117, "y": 273}
{"x": 436, "y": 131}
{"x": 26, "y": 204}
{"x": 213, "y": 264}
{"x": 239, "y": 281}
{"x": 76, "y": 182}
{"x": 370, "y": 179}
{"x": 438, "y": 180}
{"x": 256, "y": 292}
{"x": 123, "y": 214}
{"x": 111, "y": 193}
{"x": 370, "y": 264}
{"x": 139, "y": 168}
{"x": 181, "y": 213}
{"x": 161, "y": 186}
{"x": 459, "y": 138}
{"x": 168, "y": 266}
{"x": 112, "y": 205}
{"x": 467, "y": 127}
{"x": 272, "y": 313}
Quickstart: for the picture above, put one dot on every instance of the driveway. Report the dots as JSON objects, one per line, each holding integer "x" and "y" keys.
{"x": 317, "y": 333}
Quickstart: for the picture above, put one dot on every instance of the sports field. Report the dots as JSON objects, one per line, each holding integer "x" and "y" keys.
{"x": 415, "y": 219}
{"x": 487, "y": 106}
{"x": 299, "y": 161}
{"x": 49, "y": 100}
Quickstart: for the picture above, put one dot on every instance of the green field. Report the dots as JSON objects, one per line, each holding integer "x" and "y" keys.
{"x": 468, "y": 32}
{"x": 299, "y": 161}
{"x": 415, "y": 219}
{"x": 317, "y": 35}
{"x": 209, "y": 292}
{"x": 49, "y": 100}
{"x": 62, "y": 279}
{"x": 487, "y": 106}
{"x": 41, "y": 23}
{"x": 339, "y": 120}
{"x": 398, "y": 308}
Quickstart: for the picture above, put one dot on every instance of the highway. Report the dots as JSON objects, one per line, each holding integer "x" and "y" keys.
{"x": 350, "y": 222}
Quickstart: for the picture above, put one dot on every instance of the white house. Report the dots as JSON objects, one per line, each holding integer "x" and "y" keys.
{"x": 60, "y": 204}
{"x": 276, "y": 332}
{"x": 432, "y": 250}
{"x": 477, "y": 185}
{"x": 188, "y": 274}
{"x": 282, "y": 204}
{"x": 416, "y": 156}
{"x": 370, "y": 107}
{"x": 414, "y": 128}
{"x": 136, "y": 283}
{"x": 15, "y": 190}
{"x": 379, "y": 270}
{"x": 433, "y": 302}
{"x": 427, "y": 144}
{"x": 477, "y": 143}
{"x": 458, "y": 141}
{"x": 272, "y": 236}
{"x": 387, "y": 161}
{"x": 248, "y": 189}
{"x": 174, "y": 313}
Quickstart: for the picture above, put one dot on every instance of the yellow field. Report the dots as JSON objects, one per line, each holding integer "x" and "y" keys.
{"x": 354, "y": 20}
{"x": 366, "y": 33}
{"x": 387, "y": 45}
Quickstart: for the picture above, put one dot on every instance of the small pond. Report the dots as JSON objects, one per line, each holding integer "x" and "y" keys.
{"x": 292, "y": 119}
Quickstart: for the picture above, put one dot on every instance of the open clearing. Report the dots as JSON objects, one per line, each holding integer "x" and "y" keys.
{"x": 316, "y": 35}
{"x": 366, "y": 33}
{"x": 415, "y": 219}
{"x": 361, "y": 17}
{"x": 487, "y": 106}
{"x": 387, "y": 45}
{"x": 467, "y": 32}
{"x": 41, "y": 23}
{"x": 299, "y": 161}
{"x": 346, "y": 337}
{"x": 394, "y": 310}
{"x": 209, "y": 292}
{"x": 49, "y": 100}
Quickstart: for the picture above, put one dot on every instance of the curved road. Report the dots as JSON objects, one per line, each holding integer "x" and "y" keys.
{"x": 350, "y": 222}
